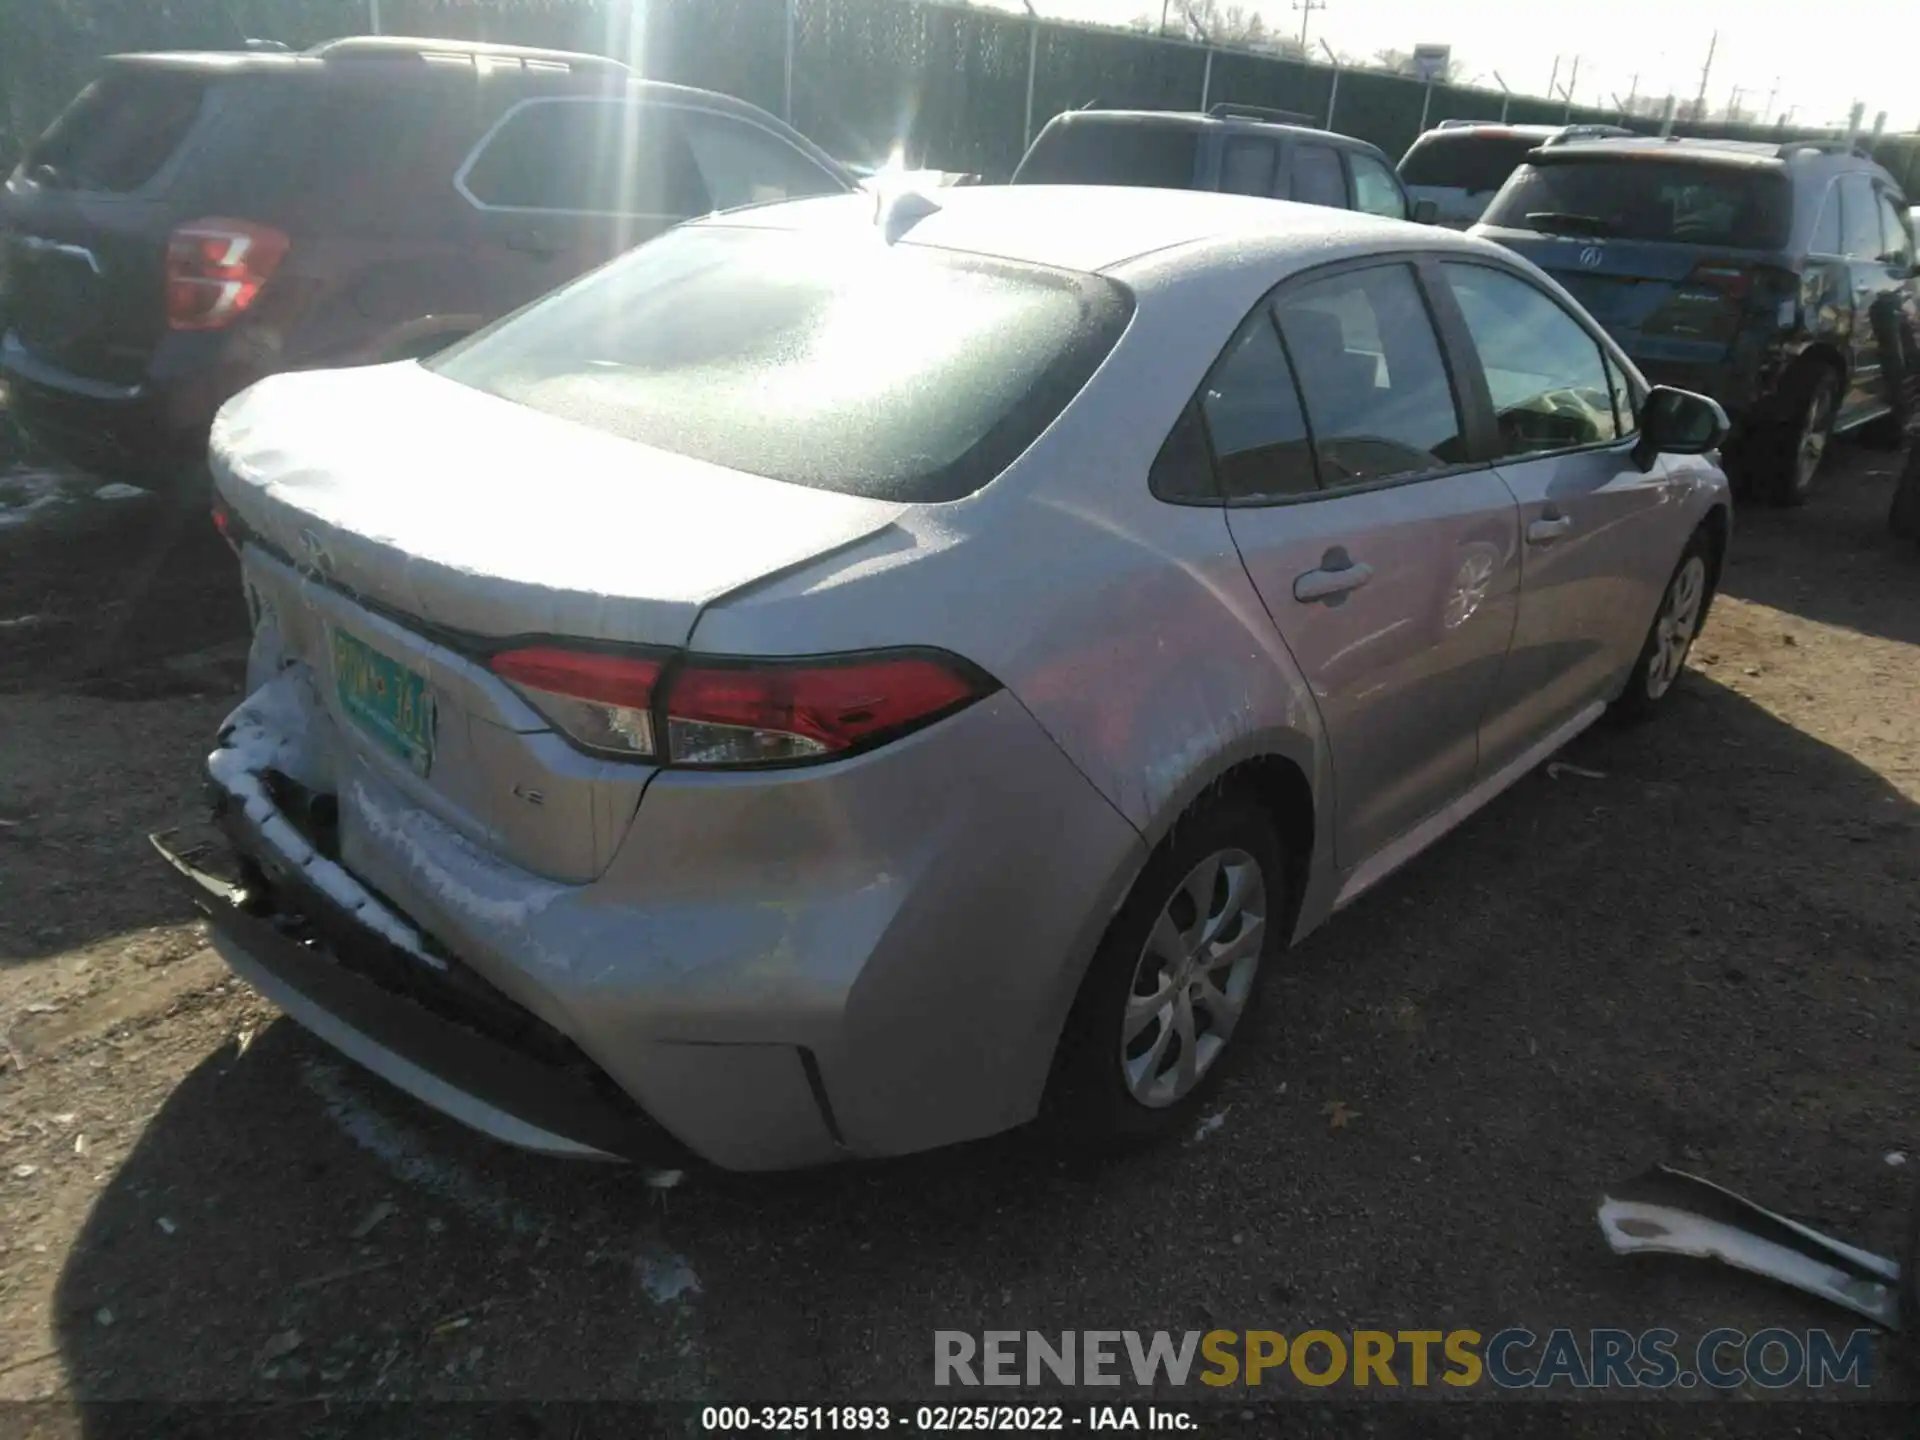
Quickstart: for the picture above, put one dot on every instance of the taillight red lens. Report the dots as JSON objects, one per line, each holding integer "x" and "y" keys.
{"x": 761, "y": 712}
{"x": 774, "y": 712}
{"x": 604, "y": 702}
{"x": 217, "y": 268}
{"x": 1733, "y": 281}
{"x": 225, "y": 523}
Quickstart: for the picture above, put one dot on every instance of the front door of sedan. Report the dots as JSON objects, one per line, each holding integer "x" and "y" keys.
{"x": 1387, "y": 560}
{"x": 1597, "y": 532}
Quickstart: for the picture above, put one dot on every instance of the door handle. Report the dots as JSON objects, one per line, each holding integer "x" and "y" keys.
{"x": 1332, "y": 580}
{"x": 1547, "y": 529}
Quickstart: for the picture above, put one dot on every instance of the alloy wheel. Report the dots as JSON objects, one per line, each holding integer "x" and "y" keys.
{"x": 1193, "y": 978}
{"x": 1675, "y": 629}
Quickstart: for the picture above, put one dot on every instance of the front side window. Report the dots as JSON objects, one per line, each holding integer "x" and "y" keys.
{"x": 1548, "y": 376}
{"x": 840, "y": 362}
{"x": 1897, "y": 243}
{"x": 1375, "y": 191}
{"x": 1377, "y": 392}
{"x": 742, "y": 164}
{"x": 1260, "y": 446}
{"x": 1860, "y": 236}
{"x": 589, "y": 157}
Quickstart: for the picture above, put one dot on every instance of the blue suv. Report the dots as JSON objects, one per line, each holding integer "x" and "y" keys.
{"x": 1745, "y": 271}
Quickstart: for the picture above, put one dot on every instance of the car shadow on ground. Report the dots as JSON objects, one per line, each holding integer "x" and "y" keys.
{"x": 1700, "y": 951}
{"x": 1834, "y": 561}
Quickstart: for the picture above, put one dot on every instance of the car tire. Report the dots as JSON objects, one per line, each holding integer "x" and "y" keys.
{"x": 1119, "y": 1077}
{"x": 1784, "y": 460}
{"x": 1903, "y": 516}
{"x": 1676, "y": 625}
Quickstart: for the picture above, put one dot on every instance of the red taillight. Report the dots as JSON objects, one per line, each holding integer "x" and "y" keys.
{"x": 605, "y": 702}
{"x": 232, "y": 528}
{"x": 1733, "y": 281}
{"x": 217, "y": 268}
{"x": 766, "y": 713}
{"x": 771, "y": 712}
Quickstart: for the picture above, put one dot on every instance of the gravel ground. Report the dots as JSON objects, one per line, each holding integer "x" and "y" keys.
{"x": 1702, "y": 953}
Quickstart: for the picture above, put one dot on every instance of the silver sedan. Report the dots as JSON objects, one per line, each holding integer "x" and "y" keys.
{"x": 857, "y": 675}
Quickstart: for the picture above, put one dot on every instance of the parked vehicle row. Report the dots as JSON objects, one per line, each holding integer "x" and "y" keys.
{"x": 194, "y": 222}
{"x": 1749, "y": 272}
{"x": 855, "y": 672}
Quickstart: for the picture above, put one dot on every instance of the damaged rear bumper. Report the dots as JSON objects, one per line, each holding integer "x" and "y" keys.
{"x": 423, "y": 1030}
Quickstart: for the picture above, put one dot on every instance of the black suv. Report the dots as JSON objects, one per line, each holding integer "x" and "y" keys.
{"x": 194, "y": 222}
{"x": 1235, "y": 148}
{"x": 1744, "y": 270}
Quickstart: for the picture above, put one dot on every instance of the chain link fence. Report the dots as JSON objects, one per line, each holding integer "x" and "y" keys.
{"x": 956, "y": 88}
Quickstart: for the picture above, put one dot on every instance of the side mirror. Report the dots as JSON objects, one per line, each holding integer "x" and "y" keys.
{"x": 1679, "y": 422}
{"x": 1425, "y": 212}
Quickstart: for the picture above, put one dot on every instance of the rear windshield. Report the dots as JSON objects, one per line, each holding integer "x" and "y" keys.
{"x": 1112, "y": 152}
{"x": 119, "y": 131}
{"x": 1467, "y": 160}
{"x": 1649, "y": 198}
{"x": 839, "y": 362}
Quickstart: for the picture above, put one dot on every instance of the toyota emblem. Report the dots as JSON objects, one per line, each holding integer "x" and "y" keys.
{"x": 1592, "y": 257}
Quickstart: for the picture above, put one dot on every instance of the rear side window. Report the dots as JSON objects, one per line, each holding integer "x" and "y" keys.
{"x": 1374, "y": 189}
{"x": 837, "y": 362}
{"x": 589, "y": 157}
{"x": 1317, "y": 177}
{"x": 1377, "y": 392}
{"x": 743, "y": 164}
{"x": 1825, "y": 239}
{"x": 1464, "y": 160}
{"x": 120, "y": 130}
{"x": 1112, "y": 152}
{"x": 1259, "y": 434}
{"x": 1246, "y": 166}
{"x": 1649, "y": 197}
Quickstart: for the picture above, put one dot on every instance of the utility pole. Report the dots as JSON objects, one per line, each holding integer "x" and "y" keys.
{"x": 1572, "y": 81}
{"x": 1553, "y": 80}
{"x": 1506, "y": 98}
{"x": 373, "y": 15}
{"x": 1164, "y": 4}
{"x": 1306, "y": 9}
{"x": 1733, "y": 104}
{"x": 1772, "y": 95}
{"x": 1700, "y": 103}
{"x": 1633, "y": 91}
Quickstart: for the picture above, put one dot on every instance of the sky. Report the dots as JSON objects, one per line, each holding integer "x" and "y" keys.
{"x": 1664, "y": 42}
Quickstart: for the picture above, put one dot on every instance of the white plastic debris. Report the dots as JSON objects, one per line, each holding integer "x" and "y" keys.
{"x": 1212, "y": 1123}
{"x": 25, "y": 1172}
{"x": 665, "y": 1179}
{"x": 1557, "y": 768}
{"x": 167, "y": 1227}
{"x": 373, "y": 1218}
{"x": 118, "y": 491}
{"x": 1896, "y": 1158}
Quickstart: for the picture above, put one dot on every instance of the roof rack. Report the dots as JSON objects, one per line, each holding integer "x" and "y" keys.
{"x": 1228, "y": 110}
{"x": 372, "y": 47}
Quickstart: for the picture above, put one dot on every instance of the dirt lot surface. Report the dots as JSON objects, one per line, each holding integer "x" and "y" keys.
{"x": 1704, "y": 952}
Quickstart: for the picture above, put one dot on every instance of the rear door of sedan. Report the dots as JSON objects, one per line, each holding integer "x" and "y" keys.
{"x": 1598, "y": 532}
{"x": 1385, "y": 550}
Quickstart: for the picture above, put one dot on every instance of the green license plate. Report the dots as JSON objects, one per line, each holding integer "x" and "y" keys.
{"x": 386, "y": 699}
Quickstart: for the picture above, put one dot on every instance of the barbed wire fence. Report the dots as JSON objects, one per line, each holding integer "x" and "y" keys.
{"x": 952, "y": 86}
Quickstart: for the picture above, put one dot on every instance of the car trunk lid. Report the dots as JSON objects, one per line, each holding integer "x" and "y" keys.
{"x": 430, "y": 525}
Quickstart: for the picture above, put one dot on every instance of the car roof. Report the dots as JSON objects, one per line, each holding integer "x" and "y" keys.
{"x": 369, "y": 47}
{"x": 1197, "y": 120}
{"x": 1100, "y": 228}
